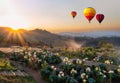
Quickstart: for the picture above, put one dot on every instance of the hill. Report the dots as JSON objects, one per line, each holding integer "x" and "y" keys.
{"x": 38, "y": 37}
{"x": 32, "y": 37}
{"x": 94, "y": 34}
{"x": 89, "y": 41}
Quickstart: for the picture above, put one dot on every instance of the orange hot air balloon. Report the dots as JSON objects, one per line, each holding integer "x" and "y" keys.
{"x": 89, "y": 13}
{"x": 100, "y": 17}
{"x": 73, "y": 13}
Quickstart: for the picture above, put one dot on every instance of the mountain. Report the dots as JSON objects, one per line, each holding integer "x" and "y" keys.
{"x": 94, "y": 38}
{"x": 9, "y": 37}
{"x": 38, "y": 37}
{"x": 93, "y": 34}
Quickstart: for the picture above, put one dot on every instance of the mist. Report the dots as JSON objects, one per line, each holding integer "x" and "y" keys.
{"x": 72, "y": 45}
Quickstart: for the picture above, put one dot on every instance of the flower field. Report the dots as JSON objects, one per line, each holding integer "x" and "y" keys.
{"x": 86, "y": 65}
{"x": 10, "y": 74}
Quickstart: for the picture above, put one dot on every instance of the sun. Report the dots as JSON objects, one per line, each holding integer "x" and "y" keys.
{"x": 13, "y": 21}
{"x": 15, "y": 28}
{"x": 17, "y": 37}
{"x": 11, "y": 18}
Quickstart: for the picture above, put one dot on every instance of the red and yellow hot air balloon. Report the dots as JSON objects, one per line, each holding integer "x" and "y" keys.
{"x": 73, "y": 13}
{"x": 100, "y": 17}
{"x": 89, "y": 13}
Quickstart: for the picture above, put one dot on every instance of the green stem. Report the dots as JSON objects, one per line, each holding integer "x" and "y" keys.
{"x": 110, "y": 79}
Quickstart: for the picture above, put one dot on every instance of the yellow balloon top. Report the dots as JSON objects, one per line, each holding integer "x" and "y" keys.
{"x": 89, "y": 11}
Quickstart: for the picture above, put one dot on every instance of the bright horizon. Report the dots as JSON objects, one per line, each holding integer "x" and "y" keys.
{"x": 54, "y": 16}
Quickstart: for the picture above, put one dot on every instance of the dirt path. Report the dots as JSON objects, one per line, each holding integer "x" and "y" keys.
{"x": 30, "y": 71}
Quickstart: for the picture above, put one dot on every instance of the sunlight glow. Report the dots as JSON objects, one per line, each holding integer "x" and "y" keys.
{"x": 10, "y": 17}
{"x": 15, "y": 36}
{"x": 13, "y": 21}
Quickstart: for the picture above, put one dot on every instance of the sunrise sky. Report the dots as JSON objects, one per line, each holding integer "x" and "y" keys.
{"x": 54, "y": 15}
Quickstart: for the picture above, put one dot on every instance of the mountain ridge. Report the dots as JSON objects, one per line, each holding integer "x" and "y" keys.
{"x": 33, "y": 37}
{"x": 39, "y": 37}
{"x": 93, "y": 34}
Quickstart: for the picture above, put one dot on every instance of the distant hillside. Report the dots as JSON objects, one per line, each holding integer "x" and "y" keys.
{"x": 89, "y": 41}
{"x": 40, "y": 37}
{"x": 94, "y": 38}
{"x": 33, "y": 37}
{"x": 93, "y": 34}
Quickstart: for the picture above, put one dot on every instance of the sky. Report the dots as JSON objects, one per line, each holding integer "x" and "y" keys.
{"x": 54, "y": 15}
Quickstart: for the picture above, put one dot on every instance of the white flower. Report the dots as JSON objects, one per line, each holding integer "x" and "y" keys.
{"x": 55, "y": 68}
{"x": 86, "y": 76}
{"x": 69, "y": 63}
{"x": 39, "y": 60}
{"x": 73, "y": 71}
{"x": 97, "y": 68}
{"x": 107, "y": 62}
{"x": 118, "y": 70}
{"x": 111, "y": 62}
{"x": 44, "y": 52}
{"x": 119, "y": 66}
{"x": 84, "y": 80}
{"x": 111, "y": 72}
{"x": 104, "y": 71}
{"x": 84, "y": 60}
{"x": 83, "y": 75}
{"x": 25, "y": 57}
{"x": 97, "y": 59}
{"x": 104, "y": 76}
{"x": 100, "y": 73}
{"x": 65, "y": 59}
{"x": 21, "y": 50}
{"x": 61, "y": 74}
{"x": 52, "y": 67}
{"x": 21, "y": 53}
{"x": 35, "y": 55}
{"x": 29, "y": 54}
{"x": 94, "y": 59}
{"x": 26, "y": 52}
{"x": 78, "y": 61}
{"x": 57, "y": 54}
{"x": 88, "y": 69}
{"x": 29, "y": 59}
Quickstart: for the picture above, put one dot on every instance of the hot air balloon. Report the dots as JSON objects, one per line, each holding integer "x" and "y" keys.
{"x": 100, "y": 17}
{"x": 89, "y": 13}
{"x": 73, "y": 13}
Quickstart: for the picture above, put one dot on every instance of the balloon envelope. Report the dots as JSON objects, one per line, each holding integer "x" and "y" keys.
{"x": 100, "y": 17}
{"x": 89, "y": 13}
{"x": 73, "y": 13}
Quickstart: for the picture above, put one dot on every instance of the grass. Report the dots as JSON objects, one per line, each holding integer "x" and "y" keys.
{"x": 17, "y": 79}
{"x": 6, "y": 65}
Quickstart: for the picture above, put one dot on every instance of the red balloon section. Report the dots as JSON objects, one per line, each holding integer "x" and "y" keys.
{"x": 100, "y": 17}
{"x": 73, "y": 13}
